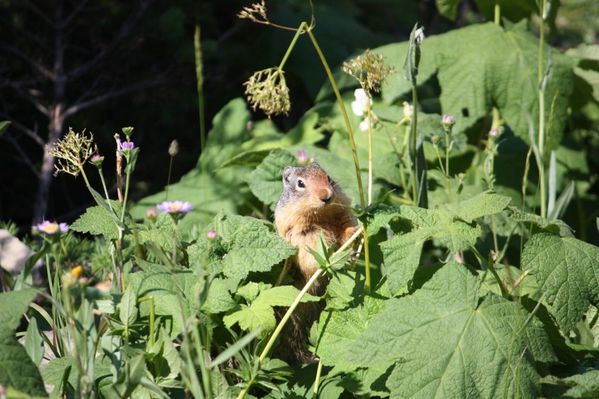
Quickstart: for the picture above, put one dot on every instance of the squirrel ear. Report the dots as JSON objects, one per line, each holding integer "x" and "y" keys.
{"x": 287, "y": 173}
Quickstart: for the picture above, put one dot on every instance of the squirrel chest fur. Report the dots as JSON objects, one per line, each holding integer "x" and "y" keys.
{"x": 311, "y": 206}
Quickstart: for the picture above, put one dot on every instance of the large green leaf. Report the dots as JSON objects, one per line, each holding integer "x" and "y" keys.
{"x": 249, "y": 245}
{"x": 97, "y": 220}
{"x": 567, "y": 272}
{"x": 482, "y": 66}
{"x": 17, "y": 370}
{"x": 445, "y": 341}
{"x": 260, "y": 315}
{"x": 451, "y": 225}
{"x": 266, "y": 180}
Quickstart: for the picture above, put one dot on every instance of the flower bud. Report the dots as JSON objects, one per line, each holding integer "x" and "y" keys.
{"x": 173, "y": 148}
{"x": 448, "y": 121}
{"x": 97, "y": 160}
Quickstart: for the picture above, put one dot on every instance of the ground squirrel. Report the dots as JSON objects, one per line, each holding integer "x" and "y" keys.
{"x": 311, "y": 205}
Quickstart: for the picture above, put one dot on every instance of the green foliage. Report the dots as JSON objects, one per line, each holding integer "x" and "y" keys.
{"x": 475, "y": 76}
{"x": 563, "y": 266}
{"x": 468, "y": 294}
{"x": 445, "y": 339}
{"x": 265, "y": 180}
{"x": 17, "y": 370}
{"x": 244, "y": 245}
{"x": 97, "y": 220}
{"x": 259, "y": 314}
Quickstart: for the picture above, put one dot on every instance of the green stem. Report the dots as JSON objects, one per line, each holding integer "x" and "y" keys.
{"x": 303, "y": 26}
{"x": 104, "y": 187}
{"x": 497, "y": 14}
{"x": 490, "y": 266}
{"x": 150, "y": 299}
{"x": 292, "y": 308}
{"x": 348, "y": 125}
{"x": 168, "y": 179}
{"x": 413, "y": 156}
{"x": 317, "y": 379}
{"x": 369, "y": 151}
{"x": 447, "y": 137}
{"x": 352, "y": 143}
{"x": 197, "y": 45}
{"x": 541, "y": 139}
{"x": 127, "y": 181}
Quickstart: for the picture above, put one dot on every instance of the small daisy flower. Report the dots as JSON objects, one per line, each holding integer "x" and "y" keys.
{"x": 174, "y": 207}
{"x": 361, "y": 103}
{"x": 51, "y": 228}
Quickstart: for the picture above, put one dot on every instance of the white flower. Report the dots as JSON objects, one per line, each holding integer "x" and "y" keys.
{"x": 366, "y": 123}
{"x": 408, "y": 110}
{"x": 360, "y": 105}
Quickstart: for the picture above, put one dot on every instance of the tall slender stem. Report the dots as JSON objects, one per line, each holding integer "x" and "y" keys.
{"x": 352, "y": 142}
{"x": 369, "y": 151}
{"x": 497, "y": 14}
{"x": 197, "y": 44}
{"x": 413, "y": 155}
{"x": 298, "y": 32}
{"x": 541, "y": 93}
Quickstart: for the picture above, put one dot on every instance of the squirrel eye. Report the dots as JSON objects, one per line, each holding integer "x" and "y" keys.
{"x": 300, "y": 183}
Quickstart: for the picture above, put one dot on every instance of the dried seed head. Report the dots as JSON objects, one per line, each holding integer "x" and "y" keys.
{"x": 173, "y": 148}
{"x": 369, "y": 70}
{"x": 268, "y": 91}
{"x": 256, "y": 12}
{"x": 72, "y": 152}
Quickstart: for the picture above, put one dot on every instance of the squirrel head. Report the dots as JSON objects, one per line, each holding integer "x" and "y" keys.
{"x": 310, "y": 184}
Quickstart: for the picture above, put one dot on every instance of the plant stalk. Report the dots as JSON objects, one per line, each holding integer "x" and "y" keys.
{"x": 352, "y": 144}
{"x": 197, "y": 45}
{"x": 293, "y": 306}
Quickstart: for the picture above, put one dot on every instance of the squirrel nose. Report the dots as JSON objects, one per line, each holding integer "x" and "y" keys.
{"x": 326, "y": 195}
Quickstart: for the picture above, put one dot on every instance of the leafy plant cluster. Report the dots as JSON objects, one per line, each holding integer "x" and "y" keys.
{"x": 474, "y": 277}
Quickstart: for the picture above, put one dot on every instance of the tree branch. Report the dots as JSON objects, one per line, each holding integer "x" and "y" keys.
{"x": 24, "y": 157}
{"x": 24, "y": 93}
{"x": 42, "y": 70}
{"x": 31, "y": 133}
{"x": 67, "y": 21}
{"x": 123, "y": 32}
{"x": 73, "y": 109}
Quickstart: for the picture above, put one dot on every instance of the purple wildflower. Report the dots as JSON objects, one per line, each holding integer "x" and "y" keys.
{"x": 493, "y": 132}
{"x": 174, "y": 207}
{"x": 127, "y": 146}
{"x": 151, "y": 213}
{"x": 51, "y": 228}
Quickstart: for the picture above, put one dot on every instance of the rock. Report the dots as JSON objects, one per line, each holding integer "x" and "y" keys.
{"x": 13, "y": 253}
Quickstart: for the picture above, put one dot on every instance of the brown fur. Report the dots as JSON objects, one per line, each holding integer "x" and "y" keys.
{"x": 302, "y": 217}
